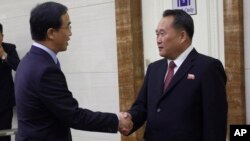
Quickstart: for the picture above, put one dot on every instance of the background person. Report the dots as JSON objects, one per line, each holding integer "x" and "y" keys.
{"x": 9, "y": 61}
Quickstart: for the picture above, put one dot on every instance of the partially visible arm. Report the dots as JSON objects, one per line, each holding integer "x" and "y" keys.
{"x": 138, "y": 111}
{"x": 54, "y": 94}
{"x": 12, "y": 58}
{"x": 214, "y": 101}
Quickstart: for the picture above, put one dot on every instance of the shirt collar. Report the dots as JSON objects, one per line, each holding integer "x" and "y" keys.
{"x": 179, "y": 60}
{"x": 49, "y": 51}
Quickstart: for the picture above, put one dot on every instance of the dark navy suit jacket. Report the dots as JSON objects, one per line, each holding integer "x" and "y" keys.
{"x": 7, "y": 100}
{"x": 46, "y": 108}
{"x": 194, "y": 108}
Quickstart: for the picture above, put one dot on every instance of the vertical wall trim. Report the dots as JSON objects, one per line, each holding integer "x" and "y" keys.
{"x": 215, "y": 41}
{"x": 234, "y": 60}
{"x": 130, "y": 55}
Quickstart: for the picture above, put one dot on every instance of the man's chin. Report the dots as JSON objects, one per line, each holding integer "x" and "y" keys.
{"x": 162, "y": 54}
{"x": 64, "y": 49}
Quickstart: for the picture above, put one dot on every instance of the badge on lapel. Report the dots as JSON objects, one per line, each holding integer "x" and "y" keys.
{"x": 191, "y": 76}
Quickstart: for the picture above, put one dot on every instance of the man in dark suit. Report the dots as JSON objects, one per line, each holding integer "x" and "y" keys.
{"x": 46, "y": 108}
{"x": 8, "y": 61}
{"x": 191, "y": 105}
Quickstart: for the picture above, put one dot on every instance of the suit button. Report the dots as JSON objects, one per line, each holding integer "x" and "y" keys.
{"x": 158, "y": 110}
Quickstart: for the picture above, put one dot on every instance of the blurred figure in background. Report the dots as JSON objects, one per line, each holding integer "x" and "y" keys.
{"x": 9, "y": 61}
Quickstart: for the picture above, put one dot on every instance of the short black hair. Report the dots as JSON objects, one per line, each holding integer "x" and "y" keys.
{"x": 1, "y": 28}
{"x": 44, "y": 16}
{"x": 181, "y": 20}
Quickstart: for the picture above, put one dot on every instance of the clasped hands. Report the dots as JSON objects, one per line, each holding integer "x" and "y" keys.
{"x": 1, "y": 51}
{"x": 125, "y": 123}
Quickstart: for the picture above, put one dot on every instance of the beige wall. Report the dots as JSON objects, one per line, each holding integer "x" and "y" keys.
{"x": 246, "y": 13}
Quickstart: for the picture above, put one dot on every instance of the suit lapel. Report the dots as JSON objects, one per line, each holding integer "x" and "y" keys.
{"x": 182, "y": 71}
{"x": 161, "y": 76}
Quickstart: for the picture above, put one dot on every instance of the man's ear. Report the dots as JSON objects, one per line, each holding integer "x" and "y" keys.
{"x": 183, "y": 36}
{"x": 50, "y": 33}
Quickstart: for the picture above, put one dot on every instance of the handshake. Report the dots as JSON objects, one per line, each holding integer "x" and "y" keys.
{"x": 125, "y": 123}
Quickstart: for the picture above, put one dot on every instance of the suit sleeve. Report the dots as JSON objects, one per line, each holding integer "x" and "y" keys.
{"x": 55, "y": 95}
{"x": 12, "y": 58}
{"x": 214, "y": 103}
{"x": 138, "y": 110}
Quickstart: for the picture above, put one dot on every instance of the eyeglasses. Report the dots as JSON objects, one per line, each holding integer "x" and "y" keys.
{"x": 67, "y": 27}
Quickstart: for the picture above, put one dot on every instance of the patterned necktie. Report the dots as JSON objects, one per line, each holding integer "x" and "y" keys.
{"x": 170, "y": 75}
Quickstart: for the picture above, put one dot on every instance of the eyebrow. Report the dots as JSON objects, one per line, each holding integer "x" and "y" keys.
{"x": 160, "y": 30}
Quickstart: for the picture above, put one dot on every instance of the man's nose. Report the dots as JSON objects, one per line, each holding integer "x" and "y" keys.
{"x": 158, "y": 40}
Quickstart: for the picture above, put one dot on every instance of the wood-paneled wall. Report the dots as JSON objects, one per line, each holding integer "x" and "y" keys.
{"x": 130, "y": 55}
{"x": 234, "y": 60}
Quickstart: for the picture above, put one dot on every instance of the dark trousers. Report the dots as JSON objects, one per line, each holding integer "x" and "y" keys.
{"x": 6, "y": 122}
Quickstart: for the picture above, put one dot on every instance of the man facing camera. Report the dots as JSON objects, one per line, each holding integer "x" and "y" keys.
{"x": 183, "y": 97}
{"x": 46, "y": 108}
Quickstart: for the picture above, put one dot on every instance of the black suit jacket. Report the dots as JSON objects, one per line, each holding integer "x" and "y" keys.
{"x": 194, "y": 108}
{"x": 7, "y": 99}
{"x": 46, "y": 108}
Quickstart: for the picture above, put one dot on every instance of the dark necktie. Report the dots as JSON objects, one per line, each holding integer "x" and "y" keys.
{"x": 170, "y": 75}
{"x": 58, "y": 64}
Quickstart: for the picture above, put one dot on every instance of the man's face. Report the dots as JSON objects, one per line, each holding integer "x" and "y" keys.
{"x": 61, "y": 36}
{"x": 168, "y": 38}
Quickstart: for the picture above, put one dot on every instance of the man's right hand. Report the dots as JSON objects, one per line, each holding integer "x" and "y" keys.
{"x": 125, "y": 123}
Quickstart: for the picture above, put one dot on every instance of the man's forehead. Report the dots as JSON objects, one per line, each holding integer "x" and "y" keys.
{"x": 65, "y": 18}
